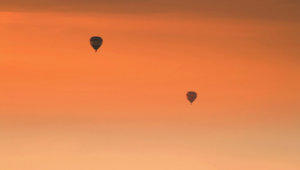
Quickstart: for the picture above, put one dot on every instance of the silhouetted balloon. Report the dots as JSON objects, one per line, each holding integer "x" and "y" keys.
{"x": 191, "y": 96}
{"x": 96, "y": 42}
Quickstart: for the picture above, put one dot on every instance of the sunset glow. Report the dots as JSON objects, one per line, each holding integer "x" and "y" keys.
{"x": 65, "y": 107}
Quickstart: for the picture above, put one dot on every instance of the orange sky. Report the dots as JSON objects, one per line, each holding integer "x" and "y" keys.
{"x": 62, "y": 106}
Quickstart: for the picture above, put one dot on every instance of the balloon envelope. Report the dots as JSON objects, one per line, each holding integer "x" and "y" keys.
{"x": 96, "y": 42}
{"x": 191, "y": 96}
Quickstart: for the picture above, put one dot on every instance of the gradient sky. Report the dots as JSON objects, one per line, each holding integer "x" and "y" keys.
{"x": 63, "y": 106}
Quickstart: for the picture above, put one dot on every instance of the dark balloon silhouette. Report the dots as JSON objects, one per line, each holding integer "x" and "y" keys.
{"x": 191, "y": 96}
{"x": 96, "y": 42}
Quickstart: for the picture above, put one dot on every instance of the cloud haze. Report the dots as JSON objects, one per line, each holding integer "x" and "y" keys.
{"x": 265, "y": 9}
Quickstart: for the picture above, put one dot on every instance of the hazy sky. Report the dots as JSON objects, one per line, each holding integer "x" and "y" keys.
{"x": 63, "y": 106}
{"x": 271, "y": 9}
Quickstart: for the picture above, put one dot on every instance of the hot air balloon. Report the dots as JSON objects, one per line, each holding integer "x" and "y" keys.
{"x": 96, "y": 42}
{"x": 191, "y": 96}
